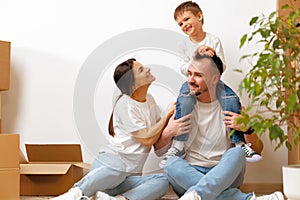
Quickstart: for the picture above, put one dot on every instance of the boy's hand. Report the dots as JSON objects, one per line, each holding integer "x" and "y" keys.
{"x": 205, "y": 50}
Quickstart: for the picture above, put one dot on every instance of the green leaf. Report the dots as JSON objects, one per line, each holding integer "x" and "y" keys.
{"x": 276, "y": 44}
{"x": 253, "y": 20}
{"x": 288, "y": 145}
{"x": 273, "y": 14}
{"x": 243, "y": 40}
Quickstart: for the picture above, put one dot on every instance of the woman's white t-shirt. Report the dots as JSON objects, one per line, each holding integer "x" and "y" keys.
{"x": 129, "y": 116}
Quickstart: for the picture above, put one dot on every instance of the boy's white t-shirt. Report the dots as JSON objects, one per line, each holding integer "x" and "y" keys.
{"x": 208, "y": 139}
{"x": 129, "y": 116}
{"x": 188, "y": 49}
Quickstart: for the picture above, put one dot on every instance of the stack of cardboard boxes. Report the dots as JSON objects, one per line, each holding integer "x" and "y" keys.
{"x": 9, "y": 167}
{"x": 4, "y": 70}
{"x": 9, "y": 143}
{"x": 50, "y": 169}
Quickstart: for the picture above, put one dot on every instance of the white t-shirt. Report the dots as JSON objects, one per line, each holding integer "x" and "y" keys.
{"x": 188, "y": 48}
{"x": 208, "y": 138}
{"x": 129, "y": 116}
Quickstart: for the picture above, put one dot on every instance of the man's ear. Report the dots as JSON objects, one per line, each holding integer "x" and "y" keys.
{"x": 216, "y": 79}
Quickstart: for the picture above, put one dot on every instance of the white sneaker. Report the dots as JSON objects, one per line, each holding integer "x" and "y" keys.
{"x": 274, "y": 196}
{"x": 73, "y": 194}
{"x": 191, "y": 196}
{"x": 173, "y": 151}
{"x": 103, "y": 196}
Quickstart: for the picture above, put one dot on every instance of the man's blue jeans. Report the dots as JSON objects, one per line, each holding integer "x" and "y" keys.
{"x": 218, "y": 182}
{"x": 108, "y": 175}
{"x": 227, "y": 98}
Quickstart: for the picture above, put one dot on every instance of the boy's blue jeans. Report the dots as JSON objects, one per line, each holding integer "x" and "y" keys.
{"x": 227, "y": 98}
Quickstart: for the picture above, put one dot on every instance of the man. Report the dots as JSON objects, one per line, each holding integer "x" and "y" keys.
{"x": 211, "y": 168}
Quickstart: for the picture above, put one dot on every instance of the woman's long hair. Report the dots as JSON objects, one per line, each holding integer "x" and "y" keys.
{"x": 124, "y": 79}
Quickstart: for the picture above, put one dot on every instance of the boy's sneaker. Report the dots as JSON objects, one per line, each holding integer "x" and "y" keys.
{"x": 191, "y": 196}
{"x": 173, "y": 151}
{"x": 73, "y": 194}
{"x": 274, "y": 196}
{"x": 251, "y": 155}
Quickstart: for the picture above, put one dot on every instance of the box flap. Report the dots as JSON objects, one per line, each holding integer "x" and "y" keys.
{"x": 50, "y": 169}
{"x": 53, "y": 152}
{"x": 83, "y": 165}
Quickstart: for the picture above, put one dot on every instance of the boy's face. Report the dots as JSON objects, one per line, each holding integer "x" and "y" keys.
{"x": 189, "y": 23}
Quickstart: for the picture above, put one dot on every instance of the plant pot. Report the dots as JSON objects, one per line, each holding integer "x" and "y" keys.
{"x": 291, "y": 181}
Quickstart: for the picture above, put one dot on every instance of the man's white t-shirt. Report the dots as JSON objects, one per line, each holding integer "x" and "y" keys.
{"x": 129, "y": 116}
{"x": 208, "y": 139}
{"x": 188, "y": 49}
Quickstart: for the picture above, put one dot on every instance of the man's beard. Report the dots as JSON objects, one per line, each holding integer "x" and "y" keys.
{"x": 197, "y": 92}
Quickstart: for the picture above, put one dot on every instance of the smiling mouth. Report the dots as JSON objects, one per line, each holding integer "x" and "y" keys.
{"x": 188, "y": 28}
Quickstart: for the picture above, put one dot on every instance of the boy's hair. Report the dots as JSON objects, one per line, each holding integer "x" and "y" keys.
{"x": 188, "y": 6}
{"x": 215, "y": 60}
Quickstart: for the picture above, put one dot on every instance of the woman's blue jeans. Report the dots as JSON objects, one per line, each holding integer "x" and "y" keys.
{"x": 218, "y": 182}
{"x": 108, "y": 174}
{"x": 227, "y": 98}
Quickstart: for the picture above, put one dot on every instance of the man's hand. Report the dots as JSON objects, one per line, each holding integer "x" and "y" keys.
{"x": 230, "y": 120}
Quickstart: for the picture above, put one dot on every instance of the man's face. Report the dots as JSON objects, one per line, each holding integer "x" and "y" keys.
{"x": 200, "y": 76}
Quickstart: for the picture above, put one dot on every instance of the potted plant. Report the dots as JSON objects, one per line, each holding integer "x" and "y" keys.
{"x": 273, "y": 83}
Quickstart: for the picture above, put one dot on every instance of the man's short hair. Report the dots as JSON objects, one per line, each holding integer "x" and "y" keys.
{"x": 214, "y": 59}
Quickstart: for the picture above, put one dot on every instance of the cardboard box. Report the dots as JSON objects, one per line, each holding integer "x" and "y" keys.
{"x": 0, "y": 113}
{"x": 52, "y": 169}
{"x": 10, "y": 183}
{"x": 9, "y": 150}
{"x": 4, "y": 65}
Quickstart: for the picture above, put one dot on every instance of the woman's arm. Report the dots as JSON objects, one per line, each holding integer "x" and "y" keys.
{"x": 149, "y": 136}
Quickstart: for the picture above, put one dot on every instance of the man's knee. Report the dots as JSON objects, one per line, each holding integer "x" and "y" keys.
{"x": 173, "y": 166}
{"x": 238, "y": 154}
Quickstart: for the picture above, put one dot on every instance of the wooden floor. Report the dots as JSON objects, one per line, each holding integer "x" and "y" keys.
{"x": 167, "y": 197}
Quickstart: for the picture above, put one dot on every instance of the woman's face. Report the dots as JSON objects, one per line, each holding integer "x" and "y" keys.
{"x": 142, "y": 75}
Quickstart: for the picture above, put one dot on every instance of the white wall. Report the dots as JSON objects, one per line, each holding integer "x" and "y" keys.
{"x": 51, "y": 39}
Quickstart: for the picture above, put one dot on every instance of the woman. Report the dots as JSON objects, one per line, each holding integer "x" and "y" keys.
{"x": 135, "y": 126}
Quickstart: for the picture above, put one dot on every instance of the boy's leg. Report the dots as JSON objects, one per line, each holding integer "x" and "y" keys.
{"x": 231, "y": 102}
{"x": 184, "y": 105}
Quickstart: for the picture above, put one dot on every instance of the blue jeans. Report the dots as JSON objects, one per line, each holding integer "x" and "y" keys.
{"x": 218, "y": 182}
{"x": 108, "y": 175}
{"x": 227, "y": 98}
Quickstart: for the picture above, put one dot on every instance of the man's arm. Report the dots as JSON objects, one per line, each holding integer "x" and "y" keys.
{"x": 230, "y": 120}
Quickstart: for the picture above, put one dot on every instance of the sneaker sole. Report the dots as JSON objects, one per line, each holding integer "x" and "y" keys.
{"x": 256, "y": 159}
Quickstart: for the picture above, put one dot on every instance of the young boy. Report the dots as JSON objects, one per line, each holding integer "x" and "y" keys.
{"x": 189, "y": 17}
